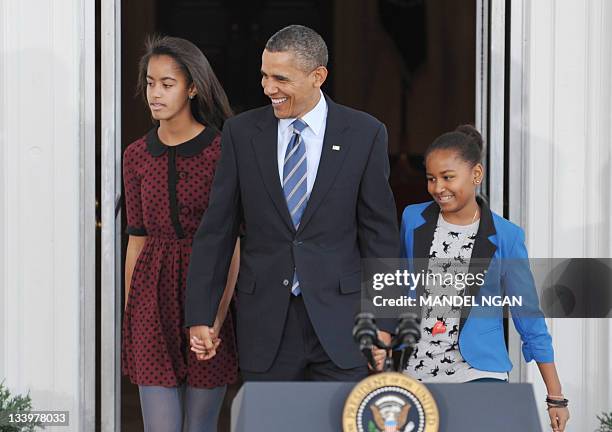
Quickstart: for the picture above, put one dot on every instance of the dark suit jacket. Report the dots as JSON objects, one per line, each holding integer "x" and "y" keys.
{"x": 350, "y": 214}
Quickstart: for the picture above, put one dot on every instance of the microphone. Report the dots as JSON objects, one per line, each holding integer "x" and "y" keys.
{"x": 365, "y": 334}
{"x": 407, "y": 335}
{"x": 408, "y": 330}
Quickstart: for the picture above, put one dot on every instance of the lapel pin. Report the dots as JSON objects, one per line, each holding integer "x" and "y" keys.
{"x": 337, "y": 148}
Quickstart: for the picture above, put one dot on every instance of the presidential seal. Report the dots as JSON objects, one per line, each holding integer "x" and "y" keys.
{"x": 390, "y": 402}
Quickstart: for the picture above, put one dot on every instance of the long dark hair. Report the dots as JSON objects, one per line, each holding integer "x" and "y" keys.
{"x": 210, "y": 105}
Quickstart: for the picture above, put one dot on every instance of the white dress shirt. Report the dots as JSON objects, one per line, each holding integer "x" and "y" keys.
{"x": 312, "y": 136}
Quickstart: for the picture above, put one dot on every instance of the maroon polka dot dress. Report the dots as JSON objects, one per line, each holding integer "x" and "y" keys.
{"x": 167, "y": 189}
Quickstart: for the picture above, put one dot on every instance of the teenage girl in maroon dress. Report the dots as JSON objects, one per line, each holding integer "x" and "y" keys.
{"x": 168, "y": 175}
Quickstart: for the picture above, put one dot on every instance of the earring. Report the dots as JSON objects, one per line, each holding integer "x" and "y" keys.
{"x": 477, "y": 181}
{"x": 191, "y": 97}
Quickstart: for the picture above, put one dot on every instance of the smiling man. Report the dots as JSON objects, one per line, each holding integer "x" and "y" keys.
{"x": 307, "y": 180}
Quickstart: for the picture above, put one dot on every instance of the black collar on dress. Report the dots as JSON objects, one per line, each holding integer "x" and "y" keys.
{"x": 187, "y": 149}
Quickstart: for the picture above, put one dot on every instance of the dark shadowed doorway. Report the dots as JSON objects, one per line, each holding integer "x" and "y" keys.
{"x": 410, "y": 63}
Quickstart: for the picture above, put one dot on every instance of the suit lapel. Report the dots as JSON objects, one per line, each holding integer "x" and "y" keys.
{"x": 482, "y": 253}
{"x": 330, "y": 162}
{"x": 266, "y": 152}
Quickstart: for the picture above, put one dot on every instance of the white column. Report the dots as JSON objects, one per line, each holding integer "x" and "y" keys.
{"x": 46, "y": 121}
{"x": 110, "y": 248}
{"x": 560, "y": 172}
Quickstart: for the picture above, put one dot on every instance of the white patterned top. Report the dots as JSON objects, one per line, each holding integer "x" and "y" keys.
{"x": 437, "y": 357}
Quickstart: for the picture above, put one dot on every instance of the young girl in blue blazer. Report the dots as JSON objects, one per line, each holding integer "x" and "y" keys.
{"x": 457, "y": 229}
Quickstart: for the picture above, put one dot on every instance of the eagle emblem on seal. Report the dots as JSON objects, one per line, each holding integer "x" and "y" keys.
{"x": 390, "y": 414}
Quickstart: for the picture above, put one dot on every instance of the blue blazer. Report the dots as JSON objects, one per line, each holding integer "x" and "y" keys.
{"x": 481, "y": 336}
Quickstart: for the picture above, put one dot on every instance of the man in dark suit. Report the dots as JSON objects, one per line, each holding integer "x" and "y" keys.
{"x": 307, "y": 180}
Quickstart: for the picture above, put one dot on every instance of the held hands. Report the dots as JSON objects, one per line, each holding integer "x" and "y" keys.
{"x": 204, "y": 341}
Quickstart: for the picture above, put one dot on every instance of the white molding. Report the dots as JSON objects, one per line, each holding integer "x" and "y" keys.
{"x": 3, "y": 203}
{"x": 111, "y": 227}
{"x": 497, "y": 110}
{"x": 87, "y": 228}
{"x": 481, "y": 67}
{"x": 517, "y": 175}
{"x": 4, "y": 181}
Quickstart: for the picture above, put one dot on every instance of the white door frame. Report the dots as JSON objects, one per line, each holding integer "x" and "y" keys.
{"x": 110, "y": 308}
{"x": 490, "y": 120}
{"x": 87, "y": 237}
{"x": 490, "y": 103}
{"x": 517, "y": 184}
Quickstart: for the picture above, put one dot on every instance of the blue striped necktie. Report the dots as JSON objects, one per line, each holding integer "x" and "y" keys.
{"x": 294, "y": 182}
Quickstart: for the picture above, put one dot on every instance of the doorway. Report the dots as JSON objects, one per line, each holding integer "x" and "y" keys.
{"x": 410, "y": 63}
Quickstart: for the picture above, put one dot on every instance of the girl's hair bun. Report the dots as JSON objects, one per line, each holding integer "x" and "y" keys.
{"x": 465, "y": 140}
{"x": 472, "y": 132}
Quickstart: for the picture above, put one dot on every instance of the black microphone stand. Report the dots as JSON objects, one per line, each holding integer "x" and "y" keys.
{"x": 407, "y": 335}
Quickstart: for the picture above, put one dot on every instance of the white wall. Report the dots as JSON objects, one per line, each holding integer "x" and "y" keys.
{"x": 42, "y": 132}
{"x": 561, "y": 172}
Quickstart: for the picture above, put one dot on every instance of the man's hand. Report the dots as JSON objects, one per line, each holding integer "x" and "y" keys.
{"x": 384, "y": 337}
{"x": 204, "y": 342}
{"x": 380, "y": 354}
